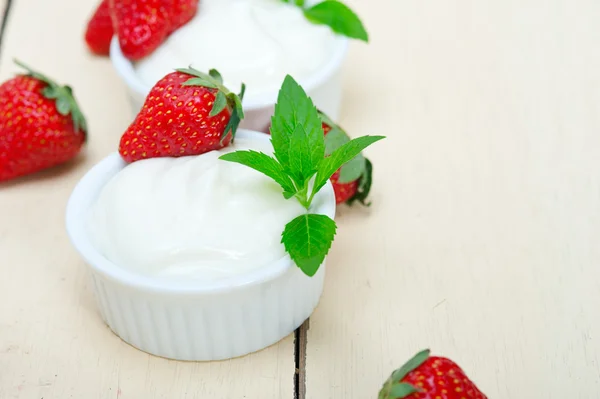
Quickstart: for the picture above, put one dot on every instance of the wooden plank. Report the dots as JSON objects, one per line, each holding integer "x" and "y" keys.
{"x": 52, "y": 342}
{"x": 482, "y": 239}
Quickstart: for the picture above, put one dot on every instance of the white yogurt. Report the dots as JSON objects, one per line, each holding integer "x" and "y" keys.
{"x": 256, "y": 42}
{"x": 193, "y": 217}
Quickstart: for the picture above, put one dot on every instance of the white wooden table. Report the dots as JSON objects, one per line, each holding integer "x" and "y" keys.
{"x": 483, "y": 241}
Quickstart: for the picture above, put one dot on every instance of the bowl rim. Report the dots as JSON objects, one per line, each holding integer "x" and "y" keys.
{"x": 127, "y": 73}
{"x": 85, "y": 193}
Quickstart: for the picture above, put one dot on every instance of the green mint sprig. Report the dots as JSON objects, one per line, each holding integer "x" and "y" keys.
{"x": 301, "y": 167}
{"x": 335, "y": 14}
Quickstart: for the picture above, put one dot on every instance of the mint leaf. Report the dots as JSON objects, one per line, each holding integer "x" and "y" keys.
{"x": 263, "y": 164}
{"x": 302, "y": 165}
{"x": 340, "y": 156}
{"x": 335, "y": 139}
{"x": 307, "y": 239}
{"x": 339, "y": 17}
{"x": 219, "y": 104}
{"x": 295, "y": 108}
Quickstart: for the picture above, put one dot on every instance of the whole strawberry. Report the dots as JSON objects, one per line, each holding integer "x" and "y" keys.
{"x": 429, "y": 377}
{"x": 186, "y": 113}
{"x": 99, "y": 30}
{"x": 143, "y": 25}
{"x": 40, "y": 125}
{"x": 352, "y": 182}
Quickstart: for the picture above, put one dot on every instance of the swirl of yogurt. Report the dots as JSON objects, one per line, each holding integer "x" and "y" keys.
{"x": 256, "y": 42}
{"x": 194, "y": 217}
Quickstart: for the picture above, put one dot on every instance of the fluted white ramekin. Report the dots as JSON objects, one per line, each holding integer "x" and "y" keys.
{"x": 194, "y": 321}
{"x": 324, "y": 87}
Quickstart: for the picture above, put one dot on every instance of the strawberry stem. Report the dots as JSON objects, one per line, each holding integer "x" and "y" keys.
{"x": 223, "y": 97}
{"x": 63, "y": 96}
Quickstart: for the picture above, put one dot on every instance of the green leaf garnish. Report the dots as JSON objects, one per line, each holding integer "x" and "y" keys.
{"x": 295, "y": 108}
{"x": 307, "y": 239}
{"x": 66, "y": 104}
{"x": 339, "y": 17}
{"x": 264, "y": 164}
{"x": 223, "y": 97}
{"x": 300, "y": 166}
{"x": 342, "y": 155}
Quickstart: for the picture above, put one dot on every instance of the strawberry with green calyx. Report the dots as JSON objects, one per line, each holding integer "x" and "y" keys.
{"x": 352, "y": 182}
{"x": 187, "y": 112}
{"x": 41, "y": 124}
{"x": 335, "y": 14}
{"x": 429, "y": 377}
{"x": 301, "y": 168}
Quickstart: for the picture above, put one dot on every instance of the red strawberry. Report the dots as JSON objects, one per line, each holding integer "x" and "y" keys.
{"x": 352, "y": 182}
{"x": 143, "y": 25}
{"x": 425, "y": 377}
{"x": 40, "y": 125}
{"x": 182, "y": 12}
{"x": 186, "y": 113}
{"x": 99, "y": 30}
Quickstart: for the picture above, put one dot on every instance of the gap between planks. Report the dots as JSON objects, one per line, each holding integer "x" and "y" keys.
{"x": 4, "y": 20}
{"x": 300, "y": 343}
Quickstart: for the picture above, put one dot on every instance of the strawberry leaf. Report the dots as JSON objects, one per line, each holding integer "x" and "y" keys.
{"x": 416, "y": 361}
{"x": 339, "y": 17}
{"x": 401, "y": 390}
{"x": 264, "y": 164}
{"x": 216, "y": 75}
{"x": 352, "y": 170}
{"x": 66, "y": 104}
{"x": 340, "y": 156}
{"x": 219, "y": 104}
{"x": 237, "y": 113}
{"x": 364, "y": 185}
{"x": 307, "y": 239}
{"x": 200, "y": 82}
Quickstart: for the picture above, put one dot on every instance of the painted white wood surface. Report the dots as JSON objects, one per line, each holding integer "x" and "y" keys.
{"x": 52, "y": 342}
{"x": 483, "y": 240}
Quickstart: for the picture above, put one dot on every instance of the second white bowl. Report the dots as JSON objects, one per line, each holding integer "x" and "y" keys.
{"x": 324, "y": 87}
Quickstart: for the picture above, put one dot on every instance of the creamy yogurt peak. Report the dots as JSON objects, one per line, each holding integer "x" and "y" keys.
{"x": 256, "y": 42}
{"x": 193, "y": 217}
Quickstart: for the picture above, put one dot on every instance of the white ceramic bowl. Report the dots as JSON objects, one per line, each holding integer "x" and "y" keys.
{"x": 324, "y": 87}
{"x": 197, "y": 321}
